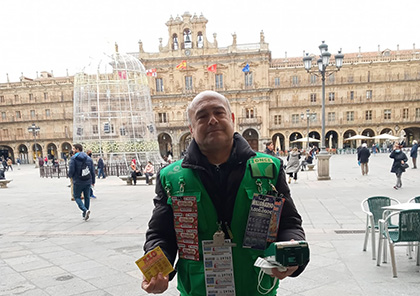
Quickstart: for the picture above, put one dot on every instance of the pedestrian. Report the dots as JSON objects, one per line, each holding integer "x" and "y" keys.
{"x": 18, "y": 162}
{"x": 134, "y": 171}
{"x": 9, "y": 164}
{"x": 269, "y": 148}
{"x": 83, "y": 175}
{"x": 400, "y": 163}
{"x": 293, "y": 164}
{"x": 89, "y": 153}
{"x": 215, "y": 177}
{"x": 101, "y": 167}
{"x": 46, "y": 160}
{"x": 413, "y": 154}
{"x": 149, "y": 171}
{"x": 363, "y": 158}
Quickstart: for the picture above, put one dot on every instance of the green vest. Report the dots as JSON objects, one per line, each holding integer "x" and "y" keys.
{"x": 191, "y": 278}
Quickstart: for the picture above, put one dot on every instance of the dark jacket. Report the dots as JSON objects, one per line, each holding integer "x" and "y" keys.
{"x": 396, "y": 165}
{"x": 413, "y": 152}
{"x": 221, "y": 183}
{"x": 75, "y": 168}
{"x": 269, "y": 152}
{"x": 363, "y": 155}
{"x": 100, "y": 163}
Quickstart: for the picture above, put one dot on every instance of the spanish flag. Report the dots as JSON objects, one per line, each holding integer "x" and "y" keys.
{"x": 212, "y": 68}
{"x": 182, "y": 65}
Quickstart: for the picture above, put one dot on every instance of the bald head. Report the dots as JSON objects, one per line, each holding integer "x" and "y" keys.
{"x": 203, "y": 96}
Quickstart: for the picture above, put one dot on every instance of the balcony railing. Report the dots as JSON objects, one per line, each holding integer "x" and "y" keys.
{"x": 249, "y": 121}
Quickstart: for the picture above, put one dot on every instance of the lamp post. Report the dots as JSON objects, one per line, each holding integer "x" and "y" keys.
{"x": 34, "y": 130}
{"x": 308, "y": 116}
{"x": 323, "y": 62}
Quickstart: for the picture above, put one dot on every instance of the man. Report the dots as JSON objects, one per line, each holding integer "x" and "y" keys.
{"x": 363, "y": 157}
{"x": 269, "y": 148}
{"x": 101, "y": 167}
{"x": 83, "y": 175}
{"x": 413, "y": 153}
{"x": 218, "y": 164}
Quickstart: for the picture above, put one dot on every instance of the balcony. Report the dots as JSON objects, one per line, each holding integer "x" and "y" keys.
{"x": 256, "y": 120}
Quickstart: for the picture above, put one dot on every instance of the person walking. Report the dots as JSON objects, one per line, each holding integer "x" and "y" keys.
{"x": 293, "y": 164}
{"x": 101, "y": 167}
{"x": 399, "y": 165}
{"x": 149, "y": 171}
{"x": 83, "y": 174}
{"x": 413, "y": 154}
{"x": 9, "y": 164}
{"x": 218, "y": 172}
{"x": 363, "y": 158}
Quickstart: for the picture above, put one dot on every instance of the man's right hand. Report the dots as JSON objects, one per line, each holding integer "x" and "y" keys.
{"x": 157, "y": 285}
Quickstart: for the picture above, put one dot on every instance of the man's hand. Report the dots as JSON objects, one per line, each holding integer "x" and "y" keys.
{"x": 157, "y": 285}
{"x": 281, "y": 275}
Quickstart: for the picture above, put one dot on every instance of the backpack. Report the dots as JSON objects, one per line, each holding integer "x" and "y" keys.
{"x": 85, "y": 172}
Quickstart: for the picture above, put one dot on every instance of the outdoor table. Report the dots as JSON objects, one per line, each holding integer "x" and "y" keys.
{"x": 392, "y": 208}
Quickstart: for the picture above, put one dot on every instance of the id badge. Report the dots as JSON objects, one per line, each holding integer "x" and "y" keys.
{"x": 259, "y": 219}
{"x": 218, "y": 268}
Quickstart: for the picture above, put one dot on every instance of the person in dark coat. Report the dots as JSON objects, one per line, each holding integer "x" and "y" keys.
{"x": 413, "y": 154}
{"x": 397, "y": 166}
{"x": 101, "y": 167}
{"x": 269, "y": 148}
{"x": 363, "y": 157}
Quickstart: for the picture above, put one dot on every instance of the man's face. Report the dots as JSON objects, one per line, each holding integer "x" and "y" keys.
{"x": 211, "y": 122}
{"x": 271, "y": 147}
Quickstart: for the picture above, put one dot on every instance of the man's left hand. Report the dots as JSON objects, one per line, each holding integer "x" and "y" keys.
{"x": 283, "y": 274}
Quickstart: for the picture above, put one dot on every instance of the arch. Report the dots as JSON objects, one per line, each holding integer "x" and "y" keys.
{"x": 6, "y": 152}
{"x": 187, "y": 38}
{"x": 412, "y": 133}
{"x": 165, "y": 144}
{"x": 293, "y": 137}
{"x": 282, "y": 140}
{"x": 387, "y": 131}
{"x": 175, "y": 43}
{"x": 331, "y": 139}
{"x": 200, "y": 40}
{"x": 184, "y": 142}
{"x": 347, "y": 134}
{"x": 52, "y": 151}
{"x": 36, "y": 152}
{"x": 65, "y": 150}
{"x": 23, "y": 153}
{"x": 368, "y": 132}
{"x": 252, "y": 137}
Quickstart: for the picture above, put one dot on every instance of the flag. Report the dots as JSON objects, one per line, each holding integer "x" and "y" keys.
{"x": 122, "y": 74}
{"x": 212, "y": 68}
{"x": 246, "y": 68}
{"x": 182, "y": 65}
{"x": 151, "y": 72}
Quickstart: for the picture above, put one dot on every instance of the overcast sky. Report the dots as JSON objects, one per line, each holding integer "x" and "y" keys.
{"x": 56, "y": 35}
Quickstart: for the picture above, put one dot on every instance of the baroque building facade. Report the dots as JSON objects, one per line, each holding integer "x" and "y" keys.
{"x": 374, "y": 93}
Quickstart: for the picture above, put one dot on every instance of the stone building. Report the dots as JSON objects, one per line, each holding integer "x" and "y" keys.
{"x": 374, "y": 93}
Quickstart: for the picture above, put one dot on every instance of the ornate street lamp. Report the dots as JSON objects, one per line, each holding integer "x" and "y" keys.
{"x": 309, "y": 116}
{"x": 323, "y": 62}
{"x": 34, "y": 130}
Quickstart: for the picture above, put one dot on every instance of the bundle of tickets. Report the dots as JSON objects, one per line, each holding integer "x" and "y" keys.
{"x": 154, "y": 262}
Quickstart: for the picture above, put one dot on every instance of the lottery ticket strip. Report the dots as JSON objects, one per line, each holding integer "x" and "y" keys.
{"x": 47, "y": 249}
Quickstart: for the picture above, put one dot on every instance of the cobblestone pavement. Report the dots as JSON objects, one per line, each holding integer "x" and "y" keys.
{"x": 47, "y": 249}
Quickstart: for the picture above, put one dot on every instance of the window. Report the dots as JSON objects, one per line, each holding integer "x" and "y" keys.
{"x": 387, "y": 114}
{"x": 295, "y": 80}
{"x": 19, "y": 132}
{"x": 277, "y": 119}
{"x": 295, "y": 118}
{"x": 368, "y": 115}
{"x": 16, "y": 98}
{"x": 47, "y": 112}
{"x": 350, "y": 78}
{"x": 107, "y": 128}
{"x": 405, "y": 113}
{"x": 95, "y": 129}
{"x": 331, "y": 96}
{"x": 368, "y": 94}
{"x": 33, "y": 114}
{"x": 122, "y": 131}
{"x": 350, "y": 115}
{"x": 159, "y": 85}
{"x": 313, "y": 98}
{"x": 248, "y": 79}
{"x": 18, "y": 116}
{"x": 188, "y": 83}
{"x": 277, "y": 81}
{"x": 331, "y": 116}
{"x": 1, "y": 99}
{"x": 163, "y": 117}
{"x": 45, "y": 96}
{"x": 93, "y": 108}
{"x": 31, "y": 97}
{"x": 5, "y": 132}
{"x": 352, "y": 95}
{"x": 62, "y": 96}
{"x": 313, "y": 79}
{"x": 417, "y": 113}
{"x": 331, "y": 78}
{"x": 249, "y": 112}
{"x": 3, "y": 115}
{"x": 219, "y": 81}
